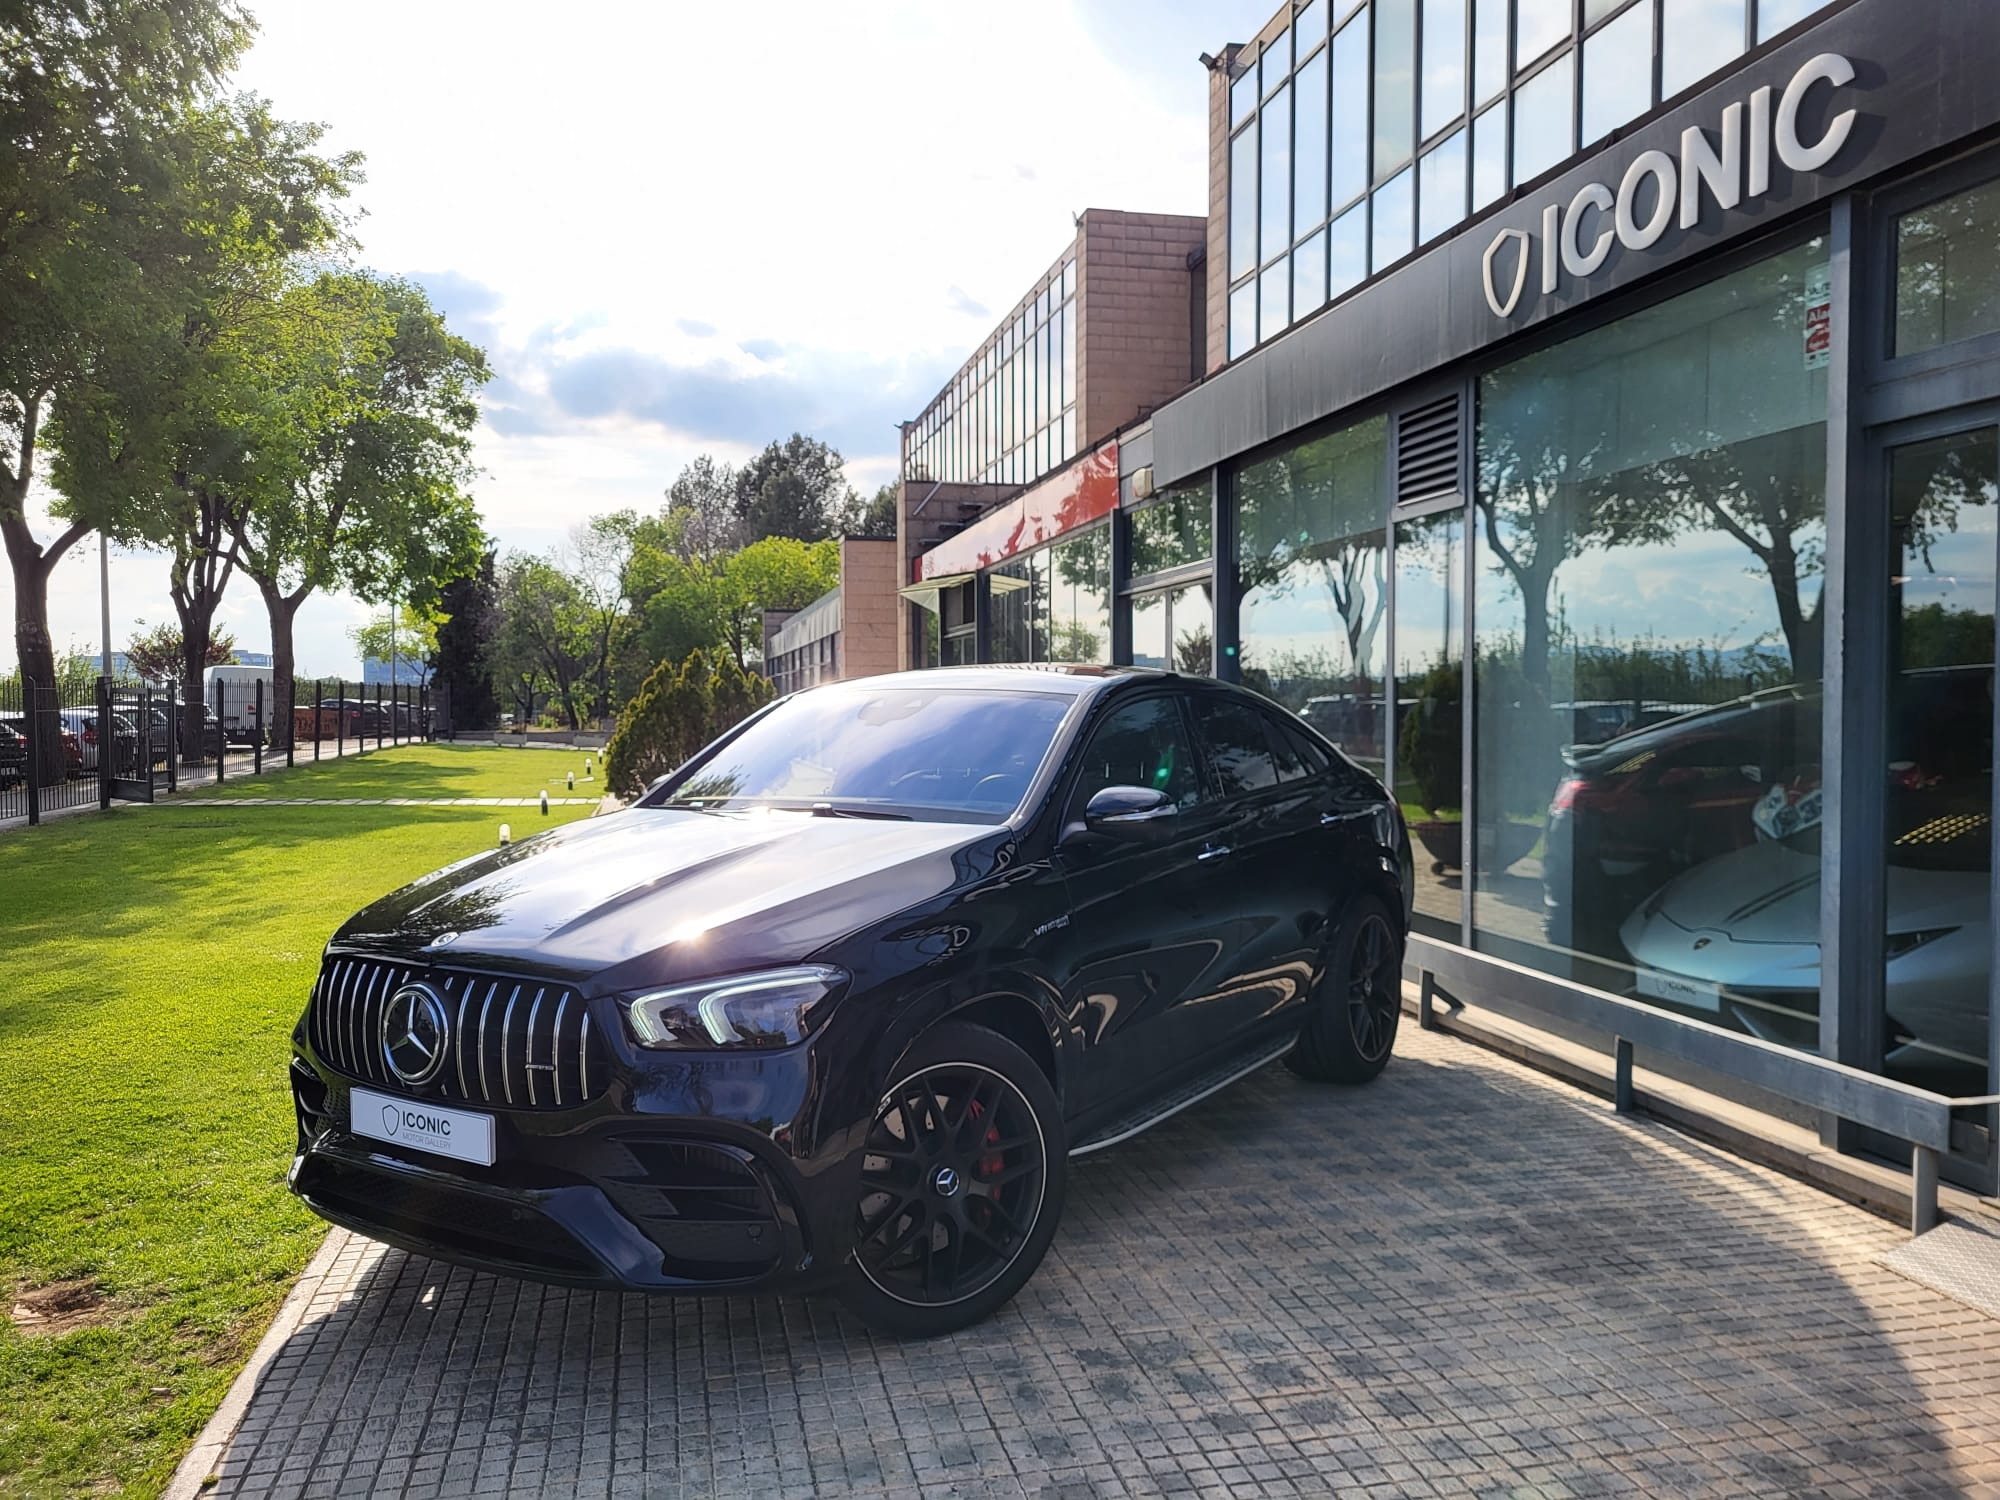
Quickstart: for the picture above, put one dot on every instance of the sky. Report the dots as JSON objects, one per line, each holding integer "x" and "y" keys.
{"x": 684, "y": 227}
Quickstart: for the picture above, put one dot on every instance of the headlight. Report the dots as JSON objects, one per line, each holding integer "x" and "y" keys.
{"x": 773, "y": 1009}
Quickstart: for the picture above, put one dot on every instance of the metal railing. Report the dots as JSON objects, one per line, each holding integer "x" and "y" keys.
{"x": 1922, "y": 1120}
{"x": 96, "y": 741}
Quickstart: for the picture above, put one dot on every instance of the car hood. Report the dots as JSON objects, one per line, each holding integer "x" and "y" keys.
{"x": 1768, "y": 893}
{"x": 655, "y": 895}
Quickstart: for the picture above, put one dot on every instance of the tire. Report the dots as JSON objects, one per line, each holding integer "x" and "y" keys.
{"x": 1350, "y": 1027}
{"x": 951, "y": 1222}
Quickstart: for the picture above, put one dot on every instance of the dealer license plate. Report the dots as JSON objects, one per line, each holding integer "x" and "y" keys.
{"x": 1698, "y": 993}
{"x": 421, "y": 1126}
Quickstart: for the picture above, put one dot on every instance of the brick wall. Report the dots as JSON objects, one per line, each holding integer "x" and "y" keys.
{"x": 870, "y": 608}
{"x": 1218, "y": 210}
{"x": 1136, "y": 343}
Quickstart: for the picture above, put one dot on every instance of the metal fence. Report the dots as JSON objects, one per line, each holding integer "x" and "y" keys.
{"x": 80, "y": 743}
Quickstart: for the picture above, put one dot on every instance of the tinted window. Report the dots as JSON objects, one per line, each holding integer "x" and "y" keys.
{"x": 1141, "y": 744}
{"x": 1237, "y": 747}
{"x": 908, "y": 750}
{"x": 1313, "y": 761}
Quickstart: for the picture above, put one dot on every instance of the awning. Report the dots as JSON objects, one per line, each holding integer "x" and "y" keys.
{"x": 925, "y": 595}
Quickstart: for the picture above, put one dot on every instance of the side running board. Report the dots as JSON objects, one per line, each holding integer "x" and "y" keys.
{"x": 1191, "y": 1093}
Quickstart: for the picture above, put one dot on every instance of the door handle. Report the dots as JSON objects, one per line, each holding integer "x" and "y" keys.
{"x": 1214, "y": 851}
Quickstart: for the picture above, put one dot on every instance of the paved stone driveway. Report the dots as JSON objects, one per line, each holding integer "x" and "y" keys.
{"x": 1464, "y": 1280}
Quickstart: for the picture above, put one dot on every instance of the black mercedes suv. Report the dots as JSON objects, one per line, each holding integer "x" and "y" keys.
{"x": 833, "y": 1004}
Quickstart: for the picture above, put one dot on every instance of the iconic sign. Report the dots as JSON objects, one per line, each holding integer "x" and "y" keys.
{"x": 1657, "y": 191}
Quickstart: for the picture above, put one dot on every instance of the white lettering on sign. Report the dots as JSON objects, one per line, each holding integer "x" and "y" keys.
{"x": 1658, "y": 191}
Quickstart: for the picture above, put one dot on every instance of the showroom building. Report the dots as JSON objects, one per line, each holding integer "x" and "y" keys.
{"x": 1599, "y": 438}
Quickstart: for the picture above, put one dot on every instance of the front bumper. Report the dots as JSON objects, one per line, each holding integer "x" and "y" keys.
{"x": 686, "y": 1174}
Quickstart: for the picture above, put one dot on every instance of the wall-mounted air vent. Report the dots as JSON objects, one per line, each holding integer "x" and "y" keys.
{"x": 1427, "y": 449}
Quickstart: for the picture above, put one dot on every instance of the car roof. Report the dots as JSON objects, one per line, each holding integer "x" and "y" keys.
{"x": 1070, "y": 679}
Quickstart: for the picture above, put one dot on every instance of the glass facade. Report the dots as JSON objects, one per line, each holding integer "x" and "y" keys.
{"x": 1311, "y": 570}
{"x": 1009, "y": 416}
{"x": 1396, "y": 81}
{"x": 1054, "y": 604}
{"x": 1944, "y": 518}
{"x": 1651, "y": 511}
{"x": 1948, "y": 271}
{"x": 1430, "y": 717}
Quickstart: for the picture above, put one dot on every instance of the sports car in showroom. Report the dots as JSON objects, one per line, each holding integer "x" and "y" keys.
{"x": 1738, "y": 937}
{"x": 832, "y": 1005}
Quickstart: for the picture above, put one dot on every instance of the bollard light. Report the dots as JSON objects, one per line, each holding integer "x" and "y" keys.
{"x": 572, "y": 781}
{"x": 506, "y": 835}
{"x": 545, "y": 802}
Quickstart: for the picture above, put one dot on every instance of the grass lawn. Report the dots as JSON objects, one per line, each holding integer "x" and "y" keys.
{"x": 152, "y": 965}
{"x": 425, "y": 771}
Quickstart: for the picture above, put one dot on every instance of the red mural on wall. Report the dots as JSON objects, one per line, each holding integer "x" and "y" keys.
{"x": 1084, "y": 492}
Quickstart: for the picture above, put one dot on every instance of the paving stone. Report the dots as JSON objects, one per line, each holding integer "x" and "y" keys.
{"x": 1464, "y": 1280}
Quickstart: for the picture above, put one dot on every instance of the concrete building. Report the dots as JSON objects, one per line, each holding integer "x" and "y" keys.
{"x": 847, "y": 632}
{"x": 1113, "y": 328}
{"x": 1598, "y": 436}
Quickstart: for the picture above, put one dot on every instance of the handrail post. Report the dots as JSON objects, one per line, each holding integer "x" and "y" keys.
{"x": 1923, "y": 1189}
{"x": 1621, "y": 1092}
{"x": 1427, "y": 1001}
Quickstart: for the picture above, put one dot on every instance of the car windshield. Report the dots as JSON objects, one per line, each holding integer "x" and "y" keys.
{"x": 948, "y": 754}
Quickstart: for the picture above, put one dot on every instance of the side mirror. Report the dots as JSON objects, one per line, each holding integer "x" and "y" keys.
{"x": 1131, "y": 812}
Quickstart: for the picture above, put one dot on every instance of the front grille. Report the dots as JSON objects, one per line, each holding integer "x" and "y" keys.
{"x": 514, "y": 1043}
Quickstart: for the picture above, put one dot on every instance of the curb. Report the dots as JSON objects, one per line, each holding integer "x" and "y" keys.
{"x": 192, "y": 1476}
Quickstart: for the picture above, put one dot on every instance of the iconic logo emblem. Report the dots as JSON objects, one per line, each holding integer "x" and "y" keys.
{"x": 415, "y": 1033}
{"x": 1505, "y": 308}
{"x": 945, "y": 1181}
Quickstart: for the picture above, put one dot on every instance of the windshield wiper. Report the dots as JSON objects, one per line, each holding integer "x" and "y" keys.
{"x": 832, "y": 810}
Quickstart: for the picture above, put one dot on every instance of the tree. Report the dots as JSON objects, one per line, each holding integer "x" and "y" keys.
{"x": 681, "y": 708}
{"x": 700, "y": 523}
{"x": 89, "y": 244}
{"x": 169, "y": 433}
{"x": 776, "y": 573}
{"x": 156, "y": 654}
{"x": 468, "y": 619}
{"x": 869, "y": 520}
{"x": 797, "y": 488}
{"x": 596, "y": 561}
{"x": 544, "y": 641}
{"x": 365, "y": 444}
{"x": 409, "y": 635}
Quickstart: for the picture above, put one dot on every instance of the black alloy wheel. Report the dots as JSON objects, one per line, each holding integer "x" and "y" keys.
{"x": 960, "y": 1184}
{"x": 1350, "y": 1027}
{"x": 1374, "y": 987}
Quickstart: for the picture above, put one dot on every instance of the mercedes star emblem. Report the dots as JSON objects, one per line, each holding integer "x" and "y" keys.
{"x": 415, "y": 1033}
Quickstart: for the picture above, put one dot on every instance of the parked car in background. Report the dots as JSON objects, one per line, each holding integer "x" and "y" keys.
{"x": 1635, "y": 811}
{"x": 833, "y": 1004}
{"x": 72, "y": 747}
{"x": 13, "y": 757}
{"x": 96, "y": 742}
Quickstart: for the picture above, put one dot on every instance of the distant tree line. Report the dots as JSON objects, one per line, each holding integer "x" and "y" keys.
{"x": 574, "y": 635}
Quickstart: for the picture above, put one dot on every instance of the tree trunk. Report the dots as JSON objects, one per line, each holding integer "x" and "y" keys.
{"x": 283, "y": 612}
{"x": 31, "y": 565}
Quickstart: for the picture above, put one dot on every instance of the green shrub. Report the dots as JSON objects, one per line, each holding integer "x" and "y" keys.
{"x": 1428, "y": 749}
{"x": 679, "y": 709}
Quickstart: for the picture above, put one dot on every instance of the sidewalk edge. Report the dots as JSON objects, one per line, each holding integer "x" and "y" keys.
{"x": 191, "y": 1477}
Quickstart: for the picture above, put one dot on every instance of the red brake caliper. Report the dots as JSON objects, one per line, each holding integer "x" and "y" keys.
{"x": 988, "y": 1165}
